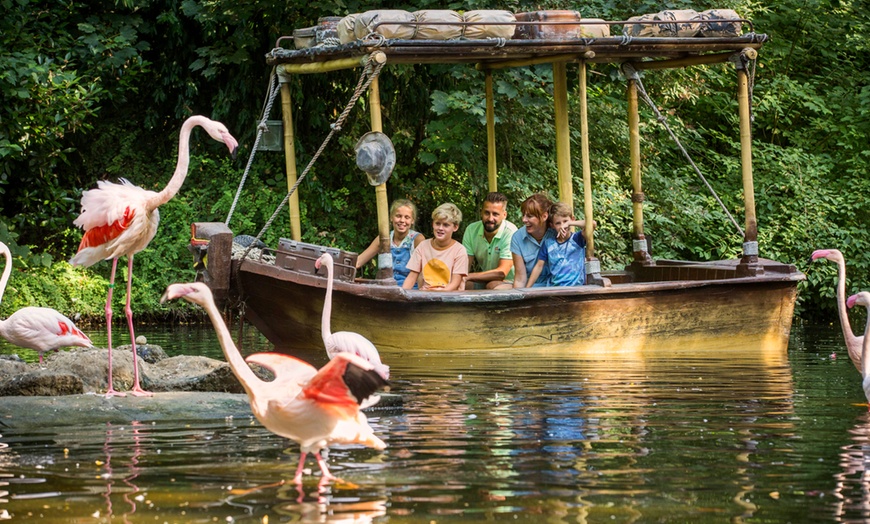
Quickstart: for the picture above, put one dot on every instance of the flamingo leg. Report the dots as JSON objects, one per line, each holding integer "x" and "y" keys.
{"x": 322, "y": 463}
{"x": 297, "y": 479}
{"x": 110, "y": 392}
{"x": 137, "y": 389}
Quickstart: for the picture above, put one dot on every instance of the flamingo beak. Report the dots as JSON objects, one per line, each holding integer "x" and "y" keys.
{"x": 851, "y": 301}
{"x": 231, "y": 143}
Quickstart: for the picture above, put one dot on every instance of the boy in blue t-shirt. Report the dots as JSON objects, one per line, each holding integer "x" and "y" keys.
{"x": 564, "y": 255}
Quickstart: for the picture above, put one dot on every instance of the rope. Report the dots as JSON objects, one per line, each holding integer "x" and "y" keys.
{"x": 368, "y": 75}
{"x": 267, "y": 109}
{"x": 632, "y": 74}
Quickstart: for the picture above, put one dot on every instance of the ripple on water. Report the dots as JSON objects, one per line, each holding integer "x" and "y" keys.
{"x": 637, "y": 437}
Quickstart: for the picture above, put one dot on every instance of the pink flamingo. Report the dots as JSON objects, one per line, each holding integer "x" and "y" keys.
{"x": 38, "y": 328}
{"x": 863, "y": 299}
{"x": 313, "y": 408}
{"x": 345, "y": 341}
{"x": 853, "y": 343}
{"x": 121, "y": 219}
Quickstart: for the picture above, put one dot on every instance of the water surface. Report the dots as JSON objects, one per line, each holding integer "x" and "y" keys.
{"x": 670, "y": 435}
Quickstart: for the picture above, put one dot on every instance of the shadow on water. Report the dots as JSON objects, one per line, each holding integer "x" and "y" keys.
{"x": 700, "y": 434}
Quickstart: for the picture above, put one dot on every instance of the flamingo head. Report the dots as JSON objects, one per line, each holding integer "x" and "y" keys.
{"x": 219, "y": 132}
{"x": 860, "y": 299}
{"x": 829, "y": 254}
{"x": 195, "y": 292}
{"x": 325, "y": 258}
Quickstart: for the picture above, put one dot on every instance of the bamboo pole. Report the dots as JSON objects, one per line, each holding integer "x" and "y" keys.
{"x": 324, "y": 67}
{"x": 290, "y": 161}
{"x": 750, "y": 238}
{"x": 385, "y": 261}
{"x": 563, "y": 144}
{"x": 641, "y": 255}
{"x": 491, "y": 165}
{"x": 683, "y": 62}
{"x": 587, "y": 169}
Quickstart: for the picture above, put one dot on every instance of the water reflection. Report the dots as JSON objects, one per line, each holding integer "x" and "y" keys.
{"x": 852, "y": 487}
{"x": 627, "y": 435}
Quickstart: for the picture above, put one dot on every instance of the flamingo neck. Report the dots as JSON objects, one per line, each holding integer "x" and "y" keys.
{"x": 181, "y": 165}
{"x": 325, "y": 331}
{"x": 865, "y": 349}
{"x": 842, "y": 310}
{"x": 240, "y": 368}
{"x": 7, "y": 269}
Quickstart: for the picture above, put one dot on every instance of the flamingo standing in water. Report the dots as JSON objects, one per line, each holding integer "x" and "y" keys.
{"x": 853, "y": 343}
{"x": 121, "y": 219}
{"x": 345, "y": 341}
{"x": 863, "y": 299}
{"x": 313, "y": 408}
{"x": 38, "y": 328}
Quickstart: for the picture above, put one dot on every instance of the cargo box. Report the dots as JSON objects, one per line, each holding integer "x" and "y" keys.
{"x": 558, "y": 25}
{"x": 300, "y": 256}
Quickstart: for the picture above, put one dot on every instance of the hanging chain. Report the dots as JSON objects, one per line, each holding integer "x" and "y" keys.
{"x": 633, "y": 75}
{"x": 368, "y": 75}
{"x": 261, "y": 128}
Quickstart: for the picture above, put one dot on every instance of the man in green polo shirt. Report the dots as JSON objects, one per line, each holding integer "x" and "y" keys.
{"x": 488, "y": 245}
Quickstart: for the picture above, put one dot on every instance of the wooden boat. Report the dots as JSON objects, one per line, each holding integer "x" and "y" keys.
{"x": 651, "y": 303}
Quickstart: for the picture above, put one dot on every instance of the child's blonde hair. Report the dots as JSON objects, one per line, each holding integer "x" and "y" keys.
{"x": 448, "y": 213}
{"x": 560, "y": 209}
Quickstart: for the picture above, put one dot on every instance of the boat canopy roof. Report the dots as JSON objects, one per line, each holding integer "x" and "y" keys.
{"x": 500, "y": 52}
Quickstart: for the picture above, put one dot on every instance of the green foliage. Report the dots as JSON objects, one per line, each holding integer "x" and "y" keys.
{"x": 94, "y": 92}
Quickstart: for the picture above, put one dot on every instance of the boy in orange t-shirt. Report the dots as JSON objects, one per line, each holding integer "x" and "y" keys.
{"x": 439, "y": 263}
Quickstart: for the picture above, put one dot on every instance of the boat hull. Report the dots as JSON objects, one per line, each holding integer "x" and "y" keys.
{"x": 287, "y": 308}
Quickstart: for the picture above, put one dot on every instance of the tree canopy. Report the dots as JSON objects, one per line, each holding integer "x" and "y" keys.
{"x": 95, "y": 91}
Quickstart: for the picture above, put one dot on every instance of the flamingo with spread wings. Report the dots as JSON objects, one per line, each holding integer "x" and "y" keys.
{"x": 314, "y": 408}
{"x": 38, "y": 328}
{"x": 121, "y": 219}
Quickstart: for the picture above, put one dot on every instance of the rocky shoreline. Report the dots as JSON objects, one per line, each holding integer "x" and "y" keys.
{"x": 69, "y": 388}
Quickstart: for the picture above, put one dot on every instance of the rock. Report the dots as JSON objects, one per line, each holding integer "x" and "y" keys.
{"x": 40, "y": 412}
{"x": 186, "y": 373}
{"x": 69, "y": 388}
{"x": 150, "y": 353}
{"x": 87, "y": 369}
{"x": 41, "y": 382}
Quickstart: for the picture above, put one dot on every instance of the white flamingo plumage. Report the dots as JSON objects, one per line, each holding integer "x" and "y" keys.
{"x": 38, "y": 328}
{"x": 121, "y": 219}
{"x": 314, "y": 408}
{"x": 863, "y": 299}
{"x": 854, "y": 344}
{"x": 345, "y": 341}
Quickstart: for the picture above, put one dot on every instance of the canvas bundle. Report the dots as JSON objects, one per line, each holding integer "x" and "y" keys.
{"x": 426, "y": 30}
{"x": 481, "y": 24}
{"x": 684, "y": 23}
{"x": 720, "y": 22}
{"x": 372, "y": 22}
